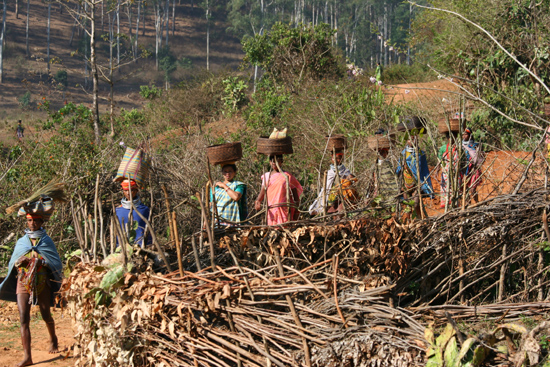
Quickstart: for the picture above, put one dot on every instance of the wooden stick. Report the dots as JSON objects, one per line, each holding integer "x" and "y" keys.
{"x": 335, "y": 287}
{"x": 177, "y": 243}
{"x": 168, "y": 212}
{"x": 95, "y": 224}
{"x": 209, "y": 234}
{"x": 123, "y": 240}
{"x": 307, "y": 353}
{"x": 196, "y": 253}
{"x": 159, "y": 249}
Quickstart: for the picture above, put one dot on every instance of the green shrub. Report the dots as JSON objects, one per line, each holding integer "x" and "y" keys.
{"x": 234, "y": 93}
{"x": 401, "y": 74}
{"x": 131, "y": 118}
{"x": 61, "y": 78}
{"x": 151, "y": 92}
{"x": 25, "y": 100}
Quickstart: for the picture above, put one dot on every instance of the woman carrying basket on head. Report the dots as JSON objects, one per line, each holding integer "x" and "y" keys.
{"x": 230, "y": 196}
{"x": 34, "y": 274}
{"x": 274, "y": 185}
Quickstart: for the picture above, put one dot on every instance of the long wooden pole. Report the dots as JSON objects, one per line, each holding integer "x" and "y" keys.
{"x": 209, "y": 233}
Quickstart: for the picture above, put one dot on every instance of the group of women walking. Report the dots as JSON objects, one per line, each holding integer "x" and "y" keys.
{"x": 409, "y": 179}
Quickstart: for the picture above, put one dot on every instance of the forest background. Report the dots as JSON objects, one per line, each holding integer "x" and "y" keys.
{"x": 175, "y": 76}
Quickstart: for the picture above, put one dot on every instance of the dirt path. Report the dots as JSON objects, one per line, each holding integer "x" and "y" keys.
{"x": 11, "y": 351}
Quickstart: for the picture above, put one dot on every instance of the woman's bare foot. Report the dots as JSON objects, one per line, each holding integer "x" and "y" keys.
{"x": 25, "y": 362}
{"x": 54, "y": 346}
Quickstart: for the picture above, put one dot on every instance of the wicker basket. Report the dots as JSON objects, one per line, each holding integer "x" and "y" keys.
{"x": 410, "y": 123}
{"x": 377, "y": 142}
{"x": 336, "y": 142}
{"x": 224, "y": 153}
{"x": 268, "y": 146}
{"x": 454, "y": 124}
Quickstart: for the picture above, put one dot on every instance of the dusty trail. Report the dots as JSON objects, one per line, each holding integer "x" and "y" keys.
{"x": 11, "y": 351}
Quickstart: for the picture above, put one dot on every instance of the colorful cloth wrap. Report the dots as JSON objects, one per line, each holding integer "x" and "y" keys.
{"x": 123, "y": 213}
{"x": 407, "y": 168}
{"x": 47, "y": 250}
{"x": 275, "y": 184}
{"x": 229, "y": 209}
{"x": 32, "y": 276}
{"x": 386, "y": 182}
{"x": 475, "y": 158}
{"x": 346, "y": 181}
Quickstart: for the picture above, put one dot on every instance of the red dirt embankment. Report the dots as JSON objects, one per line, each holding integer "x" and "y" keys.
{"x": 502, "y": 170}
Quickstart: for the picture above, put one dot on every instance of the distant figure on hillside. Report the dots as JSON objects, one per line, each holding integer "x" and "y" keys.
{"x": 20, "y": 129}
{"x": 378, "y": 72}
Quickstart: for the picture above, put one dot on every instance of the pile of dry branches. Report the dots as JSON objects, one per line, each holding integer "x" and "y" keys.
{"x": 494, "y": 252}
{"x": 316, "y": 294}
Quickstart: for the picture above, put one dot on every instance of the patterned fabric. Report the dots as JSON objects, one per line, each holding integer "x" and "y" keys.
{"x": 229, "y": 209}
{"x": 407, "y": 168}
{"x": 32, "y": 276}
{"x": 123, "y": 214}
{"x": 317, "y": 206}
{"x": 275, "y": 184}
{"x": 386, "y": 181}
{"x": 449, "y": 158}
{"x": 45, "y": 248}
{"x": 475, "y": 160}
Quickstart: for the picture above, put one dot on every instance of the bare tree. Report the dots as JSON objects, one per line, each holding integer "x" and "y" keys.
{"x": 27, "y": 53}
{"x": 89, "y": 15}
{"x": 48, "y": 47}
{"x": 2, "y": 37}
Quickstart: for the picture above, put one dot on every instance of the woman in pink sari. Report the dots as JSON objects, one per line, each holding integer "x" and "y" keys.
{"x": 274, "y": 184}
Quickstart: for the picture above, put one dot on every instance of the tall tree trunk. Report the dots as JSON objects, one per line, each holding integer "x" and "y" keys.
{"x": 173, "y": 18}
{"x": 95, "y": 78}
{"x": 48, "y": 47}
{"x": 27, "y": 52}
{"x": 16, "y": 9}
{"x": 137, "y": 31}
{"x": 111, "y": 79}
{"x": 158, "y": 35}
{"x": 2, "y": 37}
{"x": 207, "y": 35}
{"x": 385, "y": 62}
{"x": 130, "y": 30}
{"x": 167, "y": 15}
{"x": 118, "y": 32}
{"x": 102, "y": 16}
{"x": 85, "y": 49}
{"x": 74, "y": 25}
{"x": 144, "y": 26}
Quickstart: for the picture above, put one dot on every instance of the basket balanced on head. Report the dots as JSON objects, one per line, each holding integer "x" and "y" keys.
{"x": 223, "y": 154}
{"x": 336, "y": 142}
{"x": 134, "y": 166}
{"x": 378, "y": 142}
{"x": 450, "y": 125}
{"x": 280, "y": 146}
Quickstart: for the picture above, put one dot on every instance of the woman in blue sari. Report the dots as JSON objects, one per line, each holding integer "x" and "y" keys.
{"x": 230, "y": 197}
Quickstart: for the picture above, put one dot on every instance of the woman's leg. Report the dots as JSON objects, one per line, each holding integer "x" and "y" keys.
{"x": 25, "y": 319}
{"x": 44, "y": 302}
